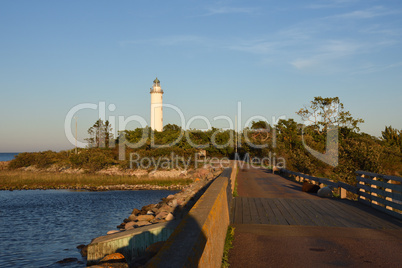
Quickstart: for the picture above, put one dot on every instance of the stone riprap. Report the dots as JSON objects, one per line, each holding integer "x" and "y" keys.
{"x": 170, "y": 209}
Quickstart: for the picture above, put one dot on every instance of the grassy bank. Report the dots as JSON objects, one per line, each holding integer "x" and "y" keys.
{"x": 15, "y": 179}
{"x": 228, "y": 245}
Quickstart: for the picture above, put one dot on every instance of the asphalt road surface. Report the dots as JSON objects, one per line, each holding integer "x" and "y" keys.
{"x": 261, "y": 242}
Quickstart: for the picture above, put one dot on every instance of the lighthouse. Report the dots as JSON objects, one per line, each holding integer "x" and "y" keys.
{"x": 156, "y": 106}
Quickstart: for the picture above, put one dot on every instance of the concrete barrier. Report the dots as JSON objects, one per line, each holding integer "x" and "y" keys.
{"x": 130, "y": 243}
{"x": 199, "y": 239}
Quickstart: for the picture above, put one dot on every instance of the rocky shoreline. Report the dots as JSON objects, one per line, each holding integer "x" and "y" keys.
{"x": 111, "y": 170}
{"x": 141, "y": 174}
{"x": 170, "y": 208}
{"x": 120, "y": 187}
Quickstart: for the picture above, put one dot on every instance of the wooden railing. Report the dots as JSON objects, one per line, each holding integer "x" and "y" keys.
{"x": 382, "y": 192}
{"x": 379, "y": 191}
{"x": 300, "y": 177}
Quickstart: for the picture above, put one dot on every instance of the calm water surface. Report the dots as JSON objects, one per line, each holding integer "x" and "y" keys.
{"x": 39, "y": 228}
{"x": 7, "y": 156}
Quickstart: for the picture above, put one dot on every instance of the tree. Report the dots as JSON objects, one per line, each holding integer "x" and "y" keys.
{"x": 101, "y": 135}
{"x": 171, "y": 127}
{"x": 287, "y": 131}
{"x": 324, "y": 112}
{"x": 392, "y": 136}
{"x": 259, "y": 125}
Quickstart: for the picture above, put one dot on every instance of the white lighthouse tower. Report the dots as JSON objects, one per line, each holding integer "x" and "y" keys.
{"x": 156, "y": 106}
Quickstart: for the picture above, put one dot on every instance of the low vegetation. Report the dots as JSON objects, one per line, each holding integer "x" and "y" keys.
{"x": 16, "y": 179}
{"x": 287, "y": 139}
{"x": 228, "y": 245}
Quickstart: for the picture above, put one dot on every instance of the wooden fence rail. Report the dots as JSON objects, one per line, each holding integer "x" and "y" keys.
{"x": 382, "y": 192}
{"x": 302, "y": 177}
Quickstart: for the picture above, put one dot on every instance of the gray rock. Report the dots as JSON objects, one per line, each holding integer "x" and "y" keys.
{"x": 142, "y": 223}
{"x": 121, "y": 225}
{"x": 83, "y": 250}
{"x": 132, "y": 217}
{"x": 166, "y": 208}
{"x": 130, "y": 225}
{"x": 161, "y": 215}
{"x": 113, "y": 232}
{"x": 169, "y": 217}
{"x": 156, "y": 220}
{"x": 173, "y": 203}
{"x": 145, "y": 217}
{"x": 325, "y": 192}
{"x": 136, "y": 211}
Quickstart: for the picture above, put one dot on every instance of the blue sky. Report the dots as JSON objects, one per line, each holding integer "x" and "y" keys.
{"x": 272, "y": 56}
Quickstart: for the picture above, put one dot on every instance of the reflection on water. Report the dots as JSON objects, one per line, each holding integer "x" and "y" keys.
{"x": 39, "y": 228}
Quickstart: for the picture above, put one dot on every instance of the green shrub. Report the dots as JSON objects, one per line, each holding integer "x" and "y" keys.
{"x": 92, "y": 159}
{"x": 45, "y": 159}
{"x": 22, "y": 160}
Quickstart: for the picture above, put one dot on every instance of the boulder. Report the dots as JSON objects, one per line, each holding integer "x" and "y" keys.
{"x": 136, "y": 211}
{"x": 132, "y": 217}
{"x": 169, "y": 217}
{"x": 141, "y": 223}
{"x": 112, "y": 232}
{"x": 150, "y": 212}
{"x": 155, "y": 210}
{"x": 202, "y": 173}
{"x": 146, "y": 208}
{"x": 83, "y": 250}
{"x": 325, "y": 192}
{"x": 181, "y": 201}
{"x": 173, "y": 203}
{"x": 145, "y": 217}
{"x": 114, "y": 257}
{"x": 130, "y": 225}
{"x": 166, "y": 208}
{"x": 310, "y": 188}
{"x": 157, "y": 220}
{"x": 161, "y": 215}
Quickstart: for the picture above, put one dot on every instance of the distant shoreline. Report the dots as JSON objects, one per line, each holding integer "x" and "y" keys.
{"x": 6, "y": 157}
{"x": 122, "y": 187}
{"x": 109, "y": 179}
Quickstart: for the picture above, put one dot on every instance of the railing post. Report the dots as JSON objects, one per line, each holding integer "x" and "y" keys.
{"x": 388, "y": 198}
{"x": 343, "y": 193}
{"x": 373, "y": 193}
{"x": 362, "y": 190}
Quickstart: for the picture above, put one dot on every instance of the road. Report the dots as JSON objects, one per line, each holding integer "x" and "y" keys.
{"x": 278, "y": 225}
